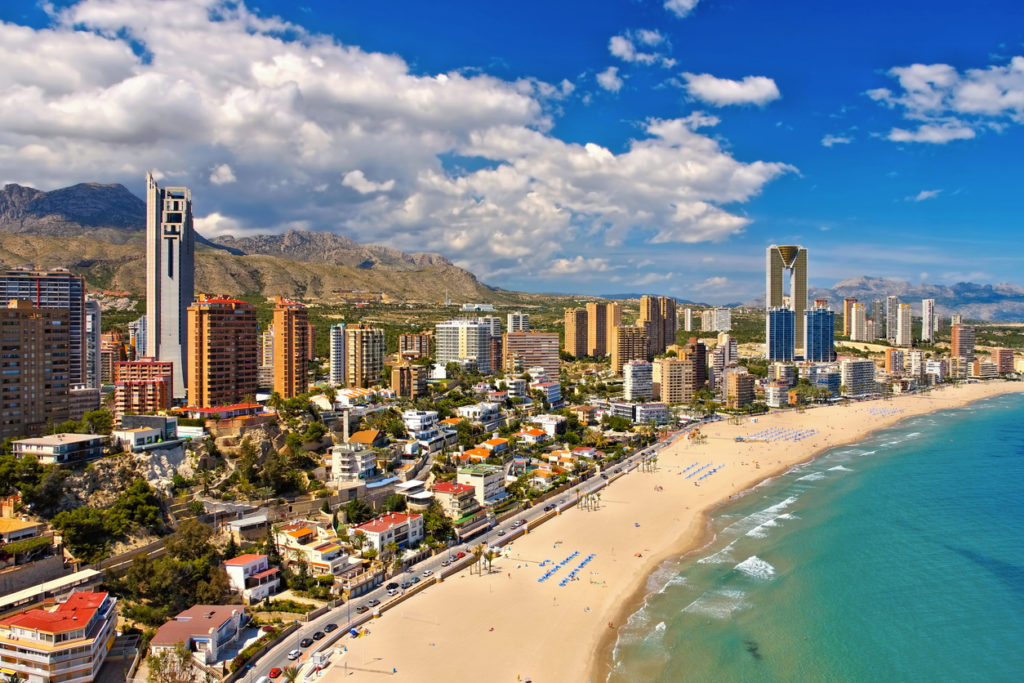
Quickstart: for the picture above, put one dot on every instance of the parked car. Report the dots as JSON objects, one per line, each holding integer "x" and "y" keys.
{"x": 305, "y": 642}
{"x": 362, "y": 609}
{"x": 330, "y": 627}
{"x": 445, "y": 563}
{"x": 391, "y": 585}
{"x": 427, "y": 572}
{"x": 414, "y": 579}
{"x": 604, "y": 476}
{"x": 275, "y": 672}
{"x": 460, "y": 555}
{"x": 373, "y": 603}
{"x": 318, "y": 635}
{"x": 406, "y": 584}
{"x": 294, "y": 654}
{"x": 501, "y": 533}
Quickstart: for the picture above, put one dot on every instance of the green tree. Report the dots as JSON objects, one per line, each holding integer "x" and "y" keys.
{"x": 357, "y": 511}
{"x": 192, "y": 541}
{"x": 394, "y": 503}
{"x": 98, "y": 422}
{"x": 85, "y": 532}
{"x": 174, "y": 666}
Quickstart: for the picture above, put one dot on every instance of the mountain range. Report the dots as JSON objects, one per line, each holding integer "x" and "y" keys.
{"x": 98, "y": 231}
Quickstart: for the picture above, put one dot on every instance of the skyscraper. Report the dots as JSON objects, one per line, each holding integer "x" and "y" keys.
{"x": 290, "y": 347}
{"x": 93, "y": 345}
{"x": 636, "y": 376}
{"x": 36, "y": 358}
{"x": 223, "y": 352}
{"x": 819, "y": 335}
{"x": 336, "y": 375}
{"x": 962, "y": 343}
{"x": 892, "y": 306}
{"x": 859, "y": 323}
{"x": 793, "y": 259}
{"x": 780, "y": 333}
{"x": 658, "y": 316}
{"x": 467, "y": 342}
{"x": 628, "y": 343}
{"x": 55, "y": 288}
{"x": 576, "y": 331}
{"x": 904, "y": 325}
{"x": 602, "y": 319}
{"x": 878, "y": 317}
{"x": 364, "y": 355}
{"x": 848, "y": 303}
{"x": 927, "y": 320}
{"x": 142, "y": 386}
{"x": 170, "y": 266}
{"x": 525, "y": 350}
{"x": 688, "y": 320}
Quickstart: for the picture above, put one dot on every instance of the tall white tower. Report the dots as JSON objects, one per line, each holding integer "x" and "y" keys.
{"x": 927, "y": 319}
{"x": 337, "y": 373}
{"x": 170, "y": 272}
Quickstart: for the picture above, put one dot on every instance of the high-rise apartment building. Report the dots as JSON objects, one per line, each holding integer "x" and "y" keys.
{"x": 467, "y": 342}
{"x": 675, "y": 380}
{"x": 878, "y": 317}
{"x": 819, "y": 335}
{"x": 858, "y": 376}
{"x": 780, "y": 334}
{"x": 688, "y": 320}
{"x": 336, "y": 373}
{"x": 267, "y": 346}
{"x": 137, "y": 337}
{"x": 790, "y": 259}
{"x": 928, "y": 320}
{"x": 892, "y": 307}
{"x": 93, "y": 345}
{"x": 291, "y": 344}
{"x": 364, "y": 352}
{"x": 144, "y": 385}
{"x": 35, "y": 368}
{"x": 310, "y": 342}
{"x": 576, "y": 332}
{"x": 956, "y": 319}
{"x": 170, "y": 271}
{"x": 602, "y": 319}
{"x": 628, "y": 343}
{"x": 904, "y": 326}
{"x": 414, "y": 346}
{"x": 518, "y": 322}
{"x": 525, "y": 350}
{"x": 658, "y": 317}
{"x": 859, "y": 324}
{"x": 56, "y": 288}
{"x": 408, "y": 380}
{"x": 962, "y": 343}
{"x": 1003, "y": 360}
{"x": 913, "y": 363}
{"x": 223, "y": 352}
{"x": 895, "y": 361}
{"x": 637, "y": 380}
{"x": 716, "y": 319}
{"x": 739, "y": 389}
{"x": 112, "y": 351}
{"x": 848, "y": 303}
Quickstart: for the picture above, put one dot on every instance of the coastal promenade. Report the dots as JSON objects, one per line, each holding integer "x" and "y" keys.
{"x": 509, "y": 624}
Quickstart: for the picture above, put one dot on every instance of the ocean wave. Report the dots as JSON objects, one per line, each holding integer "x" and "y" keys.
{"x": 721, "y": 557}
{"x": 660, "y": 628}
{"x": 756, "y": 568}
{"x": 839, "y": 468}
{"x": 718, "y": 604}
{"x": 813, "y": 476}
{"x": 661, "y": 577}
{"x": 758, "y": 518}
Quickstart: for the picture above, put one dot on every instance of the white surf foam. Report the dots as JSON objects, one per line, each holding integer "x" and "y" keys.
{"x": 758, "y": 518}
{"x": 718, "y": 604}
{"x": 757, "y": 568}
{"x": 839, "y": 468}
{"x": 660, "y": 628}
{"x": 721, "y": 557}
{"x": 813, "y": 476}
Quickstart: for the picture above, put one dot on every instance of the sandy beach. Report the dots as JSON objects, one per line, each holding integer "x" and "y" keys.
{"x": 505, "y": 626}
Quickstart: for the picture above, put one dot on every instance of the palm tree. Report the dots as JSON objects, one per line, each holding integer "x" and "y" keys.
{"x": 291, "y": 674}
{"x": 489, "y": 555}
{"x": 478, "y": 550}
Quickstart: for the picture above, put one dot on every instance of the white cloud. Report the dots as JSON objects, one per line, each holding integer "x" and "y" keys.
{"x": 938, "y": 134}
{"x": 720, "y": 92}
{"x": 949, "y": 105}
{"x": 923, "y": 195}
{"x": 830, "y": 140}
{"x": 222, "y": 175}
{"x": 680, "y": 8}
{"x": 222, "y": 92}
{"x": 359, "y": 182}
{"x": 716, "y": 282}
{"x": 609, "y": 79}
{"x": 579, "y": 264}
{"x": 625, "y": 47}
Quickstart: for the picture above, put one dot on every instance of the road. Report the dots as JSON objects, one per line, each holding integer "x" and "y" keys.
{"x": 347, "y": 617}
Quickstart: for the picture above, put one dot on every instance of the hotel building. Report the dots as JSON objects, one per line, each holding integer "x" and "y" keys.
{"x": 962, "y": 343}
{"x": 928, "y": 320}
{"x": 576, "y": 332}
{"x": 525, "y": 350}
{"x": 223, "y": 352}
{"x": 364, "y": 355}
{"x": 780, "y": 260}
{"x": 628, "y": 343}
{"x": 637, "y": 376}
{"x": 291, "y": 330}
{"x": 142, "y": 386}
{"x": 336, "y": 374}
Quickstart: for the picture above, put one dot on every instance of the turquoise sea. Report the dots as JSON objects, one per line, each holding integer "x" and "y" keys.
{"x": 900, "y": 558}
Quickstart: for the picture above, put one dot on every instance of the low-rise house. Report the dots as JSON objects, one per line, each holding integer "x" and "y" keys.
{"x": 552, "y": 392}
{"x": 553, "y": 425}
{"x": 221, "y": 412}
{"x": 456, "y": 500}
{"x": 532, "y": 436}
{"x": 587, "y": 415}
{"x": 12, "y": 530}
{"x": 587, "y": 452}
{"x": 253, "y": 577}
{"x": 496, "y": 445}
{"x": 205, "y": 630}
{"x": 61, "y": 449}
{"x": 251, "y": 528}
{"x": 67, "y": 644}
{"x": 474, "y": 455}
{"x": 480, "y": 412}
{"x": 136, "y": 439}
{"x": 497, "y": 396}
{"x": 370, "y": 438}
{"x": 393, "y": 527}
{"x": 419, "y": 420}
{"x": 318, "y": 547}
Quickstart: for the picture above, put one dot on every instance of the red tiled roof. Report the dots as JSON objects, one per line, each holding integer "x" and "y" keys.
{"x": 272, "y": 570}
{"x": 367, "y": 436}
{"x": 451, "y": 487}
{"x": 71, "y": 615}
{"x": 243, "y": 560}
{"x": 384, "y": 522}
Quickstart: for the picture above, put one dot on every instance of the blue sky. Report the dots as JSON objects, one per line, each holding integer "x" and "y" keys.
{"x": 595, "y": 148}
